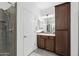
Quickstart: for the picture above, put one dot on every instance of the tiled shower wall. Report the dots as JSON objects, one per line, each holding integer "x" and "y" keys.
{"x": 8, "y": 31}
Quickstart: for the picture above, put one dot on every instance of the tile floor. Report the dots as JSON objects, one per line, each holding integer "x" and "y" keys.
{"x": 41, "y": 52}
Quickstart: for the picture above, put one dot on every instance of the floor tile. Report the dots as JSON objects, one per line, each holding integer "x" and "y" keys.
{"x": 41, "y": 52}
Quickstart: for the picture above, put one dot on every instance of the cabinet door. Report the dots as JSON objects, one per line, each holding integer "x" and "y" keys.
{"x": 49, "y": 44}
{"x": 40, "y": 42}
{"x": 62, "y": 42}
{"x": 62, "y": 16}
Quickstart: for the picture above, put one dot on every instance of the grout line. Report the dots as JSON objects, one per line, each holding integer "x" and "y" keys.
{"x": 31, "y": 52}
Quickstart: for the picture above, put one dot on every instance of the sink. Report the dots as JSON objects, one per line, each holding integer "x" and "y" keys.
{"x": 47, "y": 32}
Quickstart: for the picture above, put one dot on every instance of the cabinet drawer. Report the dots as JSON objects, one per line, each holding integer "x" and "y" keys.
{"x": 44, "y": 37}
{"x": 51, "y": 37}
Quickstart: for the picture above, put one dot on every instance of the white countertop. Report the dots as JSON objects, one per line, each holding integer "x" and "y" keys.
{"x": 46, "y": 34}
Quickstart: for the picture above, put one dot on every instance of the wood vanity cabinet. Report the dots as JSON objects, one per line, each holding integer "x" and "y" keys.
{"x": 50, "y": 43}
{"x": 41, "y": 41}
{"x": 45, "y": 42}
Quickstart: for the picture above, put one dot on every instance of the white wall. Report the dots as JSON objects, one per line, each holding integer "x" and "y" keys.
{"x": 19, "y": 31}
{"x": 74, "y": 29}
{"x": 50, "y": 11}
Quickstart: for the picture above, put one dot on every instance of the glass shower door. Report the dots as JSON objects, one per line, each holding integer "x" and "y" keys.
{"x": 8, "y": 32}
{"x": 4, "y": 41}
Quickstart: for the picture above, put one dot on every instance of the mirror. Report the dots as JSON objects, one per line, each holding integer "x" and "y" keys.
{"x": 46, "y": 24}
{"x": 46, "y": 21}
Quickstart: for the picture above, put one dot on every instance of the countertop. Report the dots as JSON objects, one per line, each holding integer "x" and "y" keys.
{"x": 46, "y": 34}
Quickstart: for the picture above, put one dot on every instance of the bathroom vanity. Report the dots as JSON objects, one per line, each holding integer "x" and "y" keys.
{"x": 46, "y": 41}
{"x": 60, "y": 42}
{"x": 46, "y": 31}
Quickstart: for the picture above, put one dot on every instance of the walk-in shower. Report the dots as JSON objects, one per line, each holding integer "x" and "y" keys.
{"x": 8, "y": 31}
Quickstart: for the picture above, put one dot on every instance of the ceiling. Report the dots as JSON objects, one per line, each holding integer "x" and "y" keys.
{"x": 43, "y": 5}
{"x": 5, "y": 5}
{"x": 39, "y": 5}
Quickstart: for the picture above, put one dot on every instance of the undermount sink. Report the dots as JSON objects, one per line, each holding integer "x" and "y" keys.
{"x": 47, "y": 32}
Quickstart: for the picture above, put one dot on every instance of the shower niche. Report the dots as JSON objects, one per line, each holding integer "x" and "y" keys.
{"x": 8, "y": 31}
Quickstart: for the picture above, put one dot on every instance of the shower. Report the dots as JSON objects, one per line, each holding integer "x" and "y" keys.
{"x": 8, "y": 31}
